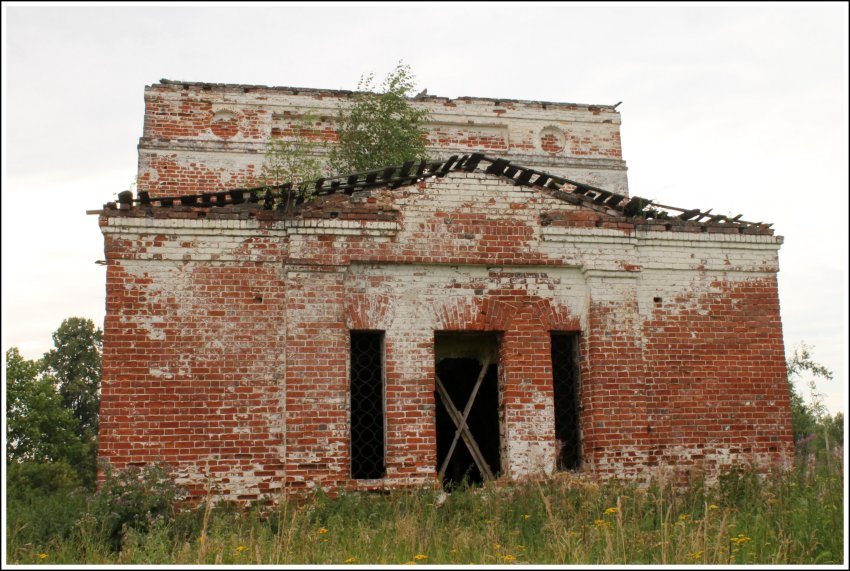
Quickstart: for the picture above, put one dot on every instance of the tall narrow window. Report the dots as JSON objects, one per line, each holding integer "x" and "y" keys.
{"x": 367, "y": 405}
{"x": 565, "y": 374}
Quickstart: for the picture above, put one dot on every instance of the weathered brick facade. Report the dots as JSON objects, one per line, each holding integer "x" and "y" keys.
{"x": 227, "y": 332}
{"x": 208, "y": 137}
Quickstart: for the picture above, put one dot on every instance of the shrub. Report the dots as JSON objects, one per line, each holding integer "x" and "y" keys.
{"x": 135, "y": 498}
{"x": 27, "y": 478}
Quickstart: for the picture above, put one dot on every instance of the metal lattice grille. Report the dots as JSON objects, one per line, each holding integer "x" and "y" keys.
{"x": 367, "y": 405}
{"x": 566, "y": 377}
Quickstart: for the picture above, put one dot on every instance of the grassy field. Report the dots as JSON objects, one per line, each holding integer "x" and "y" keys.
{"x": 786, "y": 518}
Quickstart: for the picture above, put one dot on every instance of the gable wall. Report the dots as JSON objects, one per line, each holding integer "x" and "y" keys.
{"x": 227, "y": 347}
{"x": 208, "y": 137}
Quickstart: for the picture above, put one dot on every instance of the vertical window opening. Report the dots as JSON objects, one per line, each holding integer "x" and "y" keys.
{"x": 565, "y": 373}
{"x": 367, "y": 405}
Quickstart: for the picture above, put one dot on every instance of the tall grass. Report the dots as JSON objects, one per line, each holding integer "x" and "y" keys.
{"x": 792, "y": 517}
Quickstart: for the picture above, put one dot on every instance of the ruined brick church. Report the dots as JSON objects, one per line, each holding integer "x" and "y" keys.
{"x": 503, "y": 310}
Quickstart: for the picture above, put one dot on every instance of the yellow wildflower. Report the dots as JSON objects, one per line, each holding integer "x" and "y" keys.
{"x": 42, "y": 556}
{"x": 420, "y": 557}
{"x": 241, "y": 548}
{"x": 322, "y": 530}
{"x": 351, "y": 560}
{"x": 610, "y": 511}
{"x": 497, "y": 546}
{"x": 600, "y": 523}
{"x": 525, "y": 516}
{"x": 712, "y": 507}
{"x": 696, "y": 555}
{"x": 508, "y": 558}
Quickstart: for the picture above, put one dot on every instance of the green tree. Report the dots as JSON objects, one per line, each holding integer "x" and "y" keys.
{"x": 814, "y": 429}
{"x": 38, "y": 427}
{"x": 293, "y": 160}
{"x": 75, "y": 363}
{"x": 381, "y": 128}
{"x": 53, "y": 404}
{"x": 834, "y": 428}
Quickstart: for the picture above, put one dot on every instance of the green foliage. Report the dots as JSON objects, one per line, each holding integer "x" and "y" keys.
{"x": 40, "y": 516}
{"x": 135, "y": 498}
{"x": 52, "y": 405}
{"x": 38, "y": 427}
{"x": 75, "y": 364}
{"x": 27, "y": 478}
{"x": 381, "y": 128}
{"x": 813, "y": 427}
{"x": 833, "y": 427}
{"x": 378, "y": 129}
{"x": 47, "y": 512}
{"x": 782, "y": 518}
{"x": 44, "y": 500}
{"x": 293, "y": 161}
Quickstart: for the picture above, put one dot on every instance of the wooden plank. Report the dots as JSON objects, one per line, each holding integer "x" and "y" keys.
{"x": 471, "y": 445}
{"x": 463, "y": 426}
{"x": 421, "y": 169}
{"x": 601, "y": 197}
{"x": 405, "y": 169}
{"x": 614, "y": 199}
{"x": 541, "y": 179}
{"x": 472, "y": 162}
{"x": 454, "y": 414}
{"x": 463, "y": 429}
{"x": 524, "y": 177}
{"x": 497, "y": 167}
{"x": 688, "y": 214}
{"x": 447, "y": 166}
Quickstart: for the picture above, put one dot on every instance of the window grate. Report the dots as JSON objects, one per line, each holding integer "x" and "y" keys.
{"x": 566, "y": 381}
{"x": 367, "y": 405}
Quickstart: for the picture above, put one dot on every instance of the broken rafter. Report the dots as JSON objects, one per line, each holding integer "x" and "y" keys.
{"x": 411, "y": 172}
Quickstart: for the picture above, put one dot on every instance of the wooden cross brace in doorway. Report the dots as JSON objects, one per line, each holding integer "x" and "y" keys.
{"x": 462, "y": 428}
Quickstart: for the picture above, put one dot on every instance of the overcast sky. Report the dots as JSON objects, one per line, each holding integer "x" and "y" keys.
{"x": 740, "y": 108}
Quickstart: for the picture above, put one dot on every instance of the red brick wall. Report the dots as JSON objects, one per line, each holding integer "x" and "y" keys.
{"x": 717, "y": 372}
{"x": 614, "y": 390}
{"x": 226, "y": 337}
{"x": 191, "y": 368}
{"x": 208, "y": 138}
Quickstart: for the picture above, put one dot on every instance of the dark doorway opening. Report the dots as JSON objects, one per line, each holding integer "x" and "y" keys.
{"x": 565, "y": 373}
{"x": 464, "y": 361}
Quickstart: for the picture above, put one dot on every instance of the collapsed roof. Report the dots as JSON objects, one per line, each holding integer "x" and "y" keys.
{"x": 286, "y": 197}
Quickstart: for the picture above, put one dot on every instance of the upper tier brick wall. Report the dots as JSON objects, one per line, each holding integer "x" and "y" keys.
{"x": 201, "y": 137}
